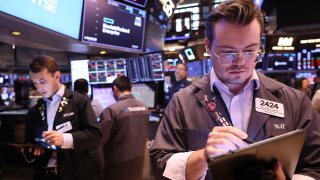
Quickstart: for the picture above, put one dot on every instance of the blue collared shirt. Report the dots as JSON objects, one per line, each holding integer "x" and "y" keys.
{"x": 52, "y": 106}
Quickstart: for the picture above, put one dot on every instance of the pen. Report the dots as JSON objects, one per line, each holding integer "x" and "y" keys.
{"x": 248, "y": 140}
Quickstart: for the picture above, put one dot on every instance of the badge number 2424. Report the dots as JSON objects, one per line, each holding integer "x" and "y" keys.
{"x": 269, "y": 104}
{"x": 269, "y": 107}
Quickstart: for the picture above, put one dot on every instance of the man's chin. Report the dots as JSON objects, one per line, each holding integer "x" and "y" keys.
{"x": 236, "y": 81}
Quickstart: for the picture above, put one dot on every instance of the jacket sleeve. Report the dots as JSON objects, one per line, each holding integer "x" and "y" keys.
{"x": 89, "y": 133}
{"x": 309, "y": 162}
{"x": 169, "y": 138}
{"x": 106, "y": 121}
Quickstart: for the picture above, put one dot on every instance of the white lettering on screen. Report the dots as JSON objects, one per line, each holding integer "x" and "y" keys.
{"x": 48, "y": 5}
{"x": 114, "y": 30}
{"x": 168, "y": 7}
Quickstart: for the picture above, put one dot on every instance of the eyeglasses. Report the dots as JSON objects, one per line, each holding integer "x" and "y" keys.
{"x": 248, "y": 57}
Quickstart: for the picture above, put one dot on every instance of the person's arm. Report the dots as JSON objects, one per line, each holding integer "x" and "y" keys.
{"x": 169, "y": 140}
{"x": 176, "y": 166}
{"x": 309, "y": 161}
{"x": 197, "y": 165}
{"x": 316, "y": 101}
{"x": 220, "y": 140}
{"x": 106, "y": 122}
{"x": 89, "y": 133}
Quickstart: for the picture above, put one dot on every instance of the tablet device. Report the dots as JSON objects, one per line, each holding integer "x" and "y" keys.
{"x": 38, "y": 144}
{"x": 284, "y": 148}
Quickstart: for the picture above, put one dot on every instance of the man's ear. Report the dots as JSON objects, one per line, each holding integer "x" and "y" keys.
{"x": 207, "y": 45}
{"x": 57, "y": 75}
{"x": 114, "y": 88}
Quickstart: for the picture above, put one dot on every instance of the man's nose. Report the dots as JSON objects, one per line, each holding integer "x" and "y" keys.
{"x": 239, "y": 59}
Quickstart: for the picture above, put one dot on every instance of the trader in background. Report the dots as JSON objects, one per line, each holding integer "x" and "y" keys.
{"x": 125, "y": 132}
{"x": 64, "y": 121}
{"x": 181, "y": 79}
{"x": 81, "y": 86}
{"x": 316, "y": 85}
{"x": 214, "y": 114}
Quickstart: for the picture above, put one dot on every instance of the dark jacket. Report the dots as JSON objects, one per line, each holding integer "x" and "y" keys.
{"x": 125, "y": 131}
{"x": 187, "y": 122}
{"x": 177, "y": 86}
{"x": 85, "y": 161}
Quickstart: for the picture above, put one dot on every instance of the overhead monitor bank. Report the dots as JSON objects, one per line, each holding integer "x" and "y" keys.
{"x": 113, "y": 24}
{"x": 141, "y": 3}
{"x": 61, "y": 16}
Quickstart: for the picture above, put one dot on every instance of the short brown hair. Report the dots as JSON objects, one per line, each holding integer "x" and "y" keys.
{"x": 43, "y": 62}
{"x": 122, "y": 83}
{"x": 240, "y": 12}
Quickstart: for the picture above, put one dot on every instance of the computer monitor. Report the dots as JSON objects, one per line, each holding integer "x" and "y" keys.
{"x": 79, "y": 69}
{"x": 104, "y": 95}
{"x": 145, "y": 92}
{"x": 113, "y": 24}
{"x": 63, "y": 17}
{"x": 309, "y": 75}
{"x": 281, "y": 61}
{"x": 106, "y": 71}
{"x": 195, "y": 69}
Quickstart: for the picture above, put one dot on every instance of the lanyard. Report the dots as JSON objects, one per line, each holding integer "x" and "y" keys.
{"x": 218, "y": 108}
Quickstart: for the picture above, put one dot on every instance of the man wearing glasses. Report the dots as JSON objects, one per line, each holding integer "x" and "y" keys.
{"x": 216, "y": 113}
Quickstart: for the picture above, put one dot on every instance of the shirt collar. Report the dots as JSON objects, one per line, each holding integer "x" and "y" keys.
{"x": 58, "y": 95}
{"x": 214, "y": 80}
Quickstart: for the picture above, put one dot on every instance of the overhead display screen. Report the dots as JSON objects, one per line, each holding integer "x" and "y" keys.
{"x": 146, "y": 68}
{"x": 79, "y": 69}
{"x": 281, "y": 61}
{"x": 60, "y": 16}
{"x": 145, "y": 93}
{"x": 141, "y": 3}
{"x": 105, "y": 71}
{"x": 113, "y": 24}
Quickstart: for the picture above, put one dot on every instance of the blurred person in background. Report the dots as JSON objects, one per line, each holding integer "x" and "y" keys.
{"x": 81, "y": 86}
{"x": 125, "y": 132}
{"x": 303, "y": 84}
{"x": 1, "y": 100}
{"x": 316, "y": 101}
{"x": 316, "y": 85}
{"x": 180, "y": 74}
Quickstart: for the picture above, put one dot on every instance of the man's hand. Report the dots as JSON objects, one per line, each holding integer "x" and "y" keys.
{"x": 53, "y": 137}
{"x": 223, "y": 139}
{"x": 278, "y": 172}
{"x": 36, "y": 151}
{"x": 220, "y": 140}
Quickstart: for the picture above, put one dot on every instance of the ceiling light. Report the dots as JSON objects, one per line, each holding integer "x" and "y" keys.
{"x": 16, "y": 33}
{"x": 103, "y": 52}
{"x": 275, "y": 48}
{"x": 280, "y": 48}
{"x": 289, "y": 48}
{"x": 172, "y": 48}
{"x": 309, "y": 41}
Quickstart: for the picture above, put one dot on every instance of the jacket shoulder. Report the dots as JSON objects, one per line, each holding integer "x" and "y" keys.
{"x": 194, "y": 87}
{"x": 274, "y": 86}
{"x": 80, "y": 100}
